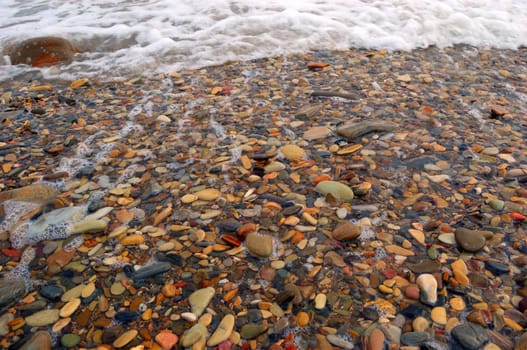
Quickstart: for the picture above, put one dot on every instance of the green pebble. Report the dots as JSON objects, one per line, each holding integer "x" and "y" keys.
{"x": 496, "y": 204}
{"x": 433, "y": 253}
{"x": 70, "y": 340}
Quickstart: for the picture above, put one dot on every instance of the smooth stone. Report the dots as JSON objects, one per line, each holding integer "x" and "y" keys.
{"x": 320, "y": 301}
{"x": 73, "y": 293}
{"x": 166, "y": 339}
{"x": 151, "y": 270}
{"x": 334, "y": 339}
{"x": 252, "y": 330}
{"x": 352, "y": 131}
{"x": 447, "y": 238}
{"x": 392, "y": 332}
{"x": 4, "y": 323}
{"x": 223, "y": 331}
{"x": 414, "y": 338}
{"x": 208, "y": 194}
{"x": 259, "y": 244}
{"x": 420, "y": 324}
{"x": 316, "y": 133}
{"x": 346, "y": 231}
{"x": 42, "y": 51}
{"x": 41, "y": 340}
{"x": 70, "y": 340}
{"x": 497, "y": 204}
{"x": 497, "y": 268}
{"x": 70, "y": 307}
{"x": 193, "y": 335}
{"x": 428, "y": 287}
{"x": 11, "y": 289}
{"x": 521, "y": 344}
{"x": 470, "y": 240}
{"x": 43, "y": 318}
{"x": 292, "y": 152}
{"x": 117, "y": 288}
{"x": 125, "y": 338}
{"x": 470, "y": 335}
{"x": 88, "y": 226}
{"x": 438, "y": 315}
{"x": 412, "y": 292}
{"x": 274, "y": 167}
{"x": 376, "y": 340}
{"x": 425, "y": 266}
{"x": 336, "y": 188}
{"x": 200, "y": 299}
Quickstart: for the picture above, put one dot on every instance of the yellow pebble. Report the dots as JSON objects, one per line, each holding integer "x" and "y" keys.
{"x": 302, "y": 319}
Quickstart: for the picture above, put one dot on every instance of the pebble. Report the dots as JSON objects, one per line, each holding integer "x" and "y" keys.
{"x": 252, "y": 330}
{"x": 125, "y": 338}
{"x": 428, "y": 287}
{"x": 346, "y": 231}
{"x": 470, "y": 240}
{"x": 199, "y": 300}
{"x": 208, "y": 194}
{"x": 70, "y": 340}
{"x": 320, "y": 301}
{"x": 414, "y": 338}
{"x": 292, "y": 152}
{"x": 339, "y": 342}
{"x": 166, "y": 339}
{"x": 259, "y": 244}
{"x": 470, "y": 335}
{"x": 223, "y": 331}
{"x": 42, "y": 318}
{"x": 41, "y": 340}
{"x": 338, "y": 189}
{"x": 420, "y": 324}
{"x": 376, "y": 340}
{"x": 70, "y": 307}
{"x": 439, "y": 315}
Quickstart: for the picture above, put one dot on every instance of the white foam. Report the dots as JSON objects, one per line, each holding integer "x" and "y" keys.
{"x": 125, "y": 38}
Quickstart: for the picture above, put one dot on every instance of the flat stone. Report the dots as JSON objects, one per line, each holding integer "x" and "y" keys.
{"x": 376, "y": 340}
{"x": 338, "y": 189}
{"x": 200, "y": 299}
{"x": 320, "y": 301}
{"x": 414, "y": 338}
{"x": 292, "y": 152}
{"x": 11, "y": 290}
{"x": 70, "y": 307}
{"x": 4, "y": 323}
{"x": 193, "y": 335}
{"x": 41, "y": 340}
{"x": 208, "y": 194}
{"x": 346, "y": 231}
{"x": 125, "y": 338}
{"x": 470, "y": 240}
{"x": 151, "y": 270}
{"x": 252, "y": 330}
{"x": 420, "y": 324}
{"x": 334, "y": 339}
{"x": 470, "y": 335}
{"x": 259, "y": 244}
{"x": 70, "y": 340}
{"x": 316, "y": 133}
{"x": 43, "y": 318}
{"x": 223, "y": 331}
{"x": 438, "y": 315}
{"x": 353, "y": 131}
{"x": 166, "y": 339}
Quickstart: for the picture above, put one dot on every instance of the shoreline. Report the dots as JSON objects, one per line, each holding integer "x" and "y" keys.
{"x": 429, "y": 251}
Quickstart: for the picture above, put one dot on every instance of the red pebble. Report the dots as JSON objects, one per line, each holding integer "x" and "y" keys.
{"x": 13, "y": 253}
{"x": 226, "y": 345}
{"x": 517, "y": 216}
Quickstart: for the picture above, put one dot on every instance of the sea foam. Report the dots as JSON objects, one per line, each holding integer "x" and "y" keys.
{"x": 119, "y": 39}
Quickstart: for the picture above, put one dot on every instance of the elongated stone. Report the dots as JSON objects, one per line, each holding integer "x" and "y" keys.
{"x": 39, "y": 341}
{"x": 86, "y": 226}
{"x": 223, "y": 332}
{"x": 428, "y": 286}
{"x": 352, "y": 131}
{"x": 43, "y": 318}
{"x": 193, "y": 335}
{"x": 151, "y": 270}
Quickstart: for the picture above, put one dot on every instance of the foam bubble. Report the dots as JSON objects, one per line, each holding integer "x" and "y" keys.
{"x": 124, "y": 39}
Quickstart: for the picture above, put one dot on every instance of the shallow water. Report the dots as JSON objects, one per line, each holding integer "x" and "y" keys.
{"x": 120, "y": 39}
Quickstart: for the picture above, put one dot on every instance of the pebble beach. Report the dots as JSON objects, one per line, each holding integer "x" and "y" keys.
{"x": 360, "y": 199}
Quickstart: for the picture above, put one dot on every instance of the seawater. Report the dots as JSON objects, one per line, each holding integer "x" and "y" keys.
{"x": 119, "y": 39}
